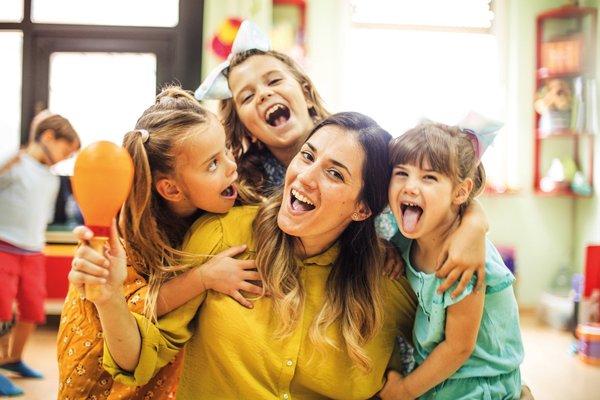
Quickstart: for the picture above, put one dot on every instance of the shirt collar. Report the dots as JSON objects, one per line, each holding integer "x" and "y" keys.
{"x": 327, "y": 258}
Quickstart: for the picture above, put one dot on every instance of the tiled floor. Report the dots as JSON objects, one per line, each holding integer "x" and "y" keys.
{"x": 40, "y": 354}
{"x": 550, "y": 368}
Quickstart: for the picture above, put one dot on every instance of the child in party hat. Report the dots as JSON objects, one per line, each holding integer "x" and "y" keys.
{"x": 469, "y": 346}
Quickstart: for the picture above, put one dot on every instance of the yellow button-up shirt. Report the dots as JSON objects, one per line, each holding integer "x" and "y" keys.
{"x": 231, "y": 352}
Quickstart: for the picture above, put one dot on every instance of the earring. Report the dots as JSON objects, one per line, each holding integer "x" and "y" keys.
{"x": 355, "y": 216}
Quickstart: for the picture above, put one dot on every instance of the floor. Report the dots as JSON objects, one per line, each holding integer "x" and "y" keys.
{"x": 550, "y": 368}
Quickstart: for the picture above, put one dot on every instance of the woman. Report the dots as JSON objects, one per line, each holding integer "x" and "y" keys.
{"x": 329, "y": 326}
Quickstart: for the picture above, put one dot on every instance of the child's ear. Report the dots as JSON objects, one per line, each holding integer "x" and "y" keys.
{"x": 306, "y": 89}
{"x": 169, "y": 190}
{"x": 47, "y": 135}
{"x": 361, "y": 213}
{"x": 463, "y": 191}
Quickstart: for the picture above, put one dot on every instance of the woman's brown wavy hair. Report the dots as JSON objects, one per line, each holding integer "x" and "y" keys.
{"x": 353, "y": 297}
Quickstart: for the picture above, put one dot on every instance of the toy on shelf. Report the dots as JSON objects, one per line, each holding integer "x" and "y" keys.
{"x": 560, "y": 175}
{"x": 553, "y": 103}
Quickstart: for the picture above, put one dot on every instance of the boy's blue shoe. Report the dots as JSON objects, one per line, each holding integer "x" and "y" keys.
{"x": 7, "y": 388}
{"x": 20, "y": 368}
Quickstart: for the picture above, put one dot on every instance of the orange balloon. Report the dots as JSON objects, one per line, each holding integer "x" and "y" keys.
{"x": 101, "y": 181}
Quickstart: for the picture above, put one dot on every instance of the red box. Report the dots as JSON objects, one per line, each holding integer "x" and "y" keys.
{"x": 592, "y": 270}
{"x": 58, "y": 265}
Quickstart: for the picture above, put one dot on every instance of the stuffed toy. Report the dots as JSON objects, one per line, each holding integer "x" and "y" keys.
{"x": 555, "y": 95}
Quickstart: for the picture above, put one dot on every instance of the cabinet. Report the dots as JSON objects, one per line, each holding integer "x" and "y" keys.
{"x": 58, "y": 266}
{"x": 565, "y": 101}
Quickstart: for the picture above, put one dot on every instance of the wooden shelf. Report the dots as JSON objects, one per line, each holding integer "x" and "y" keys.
{"x": 565, "y": 62}
{"x": 564, "y": 134}
{"x": 561, "y": 193}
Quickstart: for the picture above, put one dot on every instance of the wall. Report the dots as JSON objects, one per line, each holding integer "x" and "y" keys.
{"x": 539, "y": 228}
{"x": 546, "y": 232}
{"x": 216, "y": 11}
{"x": 587, "y": 223}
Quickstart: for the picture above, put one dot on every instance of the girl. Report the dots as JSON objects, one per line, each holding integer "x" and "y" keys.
{"x": 182, "y": 168}
{"x": 28, "y": 190}
{"x": 468, "y": 347}
{"x": 269, "y": 105}
{"x": 328, "y": 328}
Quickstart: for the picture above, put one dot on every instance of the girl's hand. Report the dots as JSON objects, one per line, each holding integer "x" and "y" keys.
{"x": 230, "y": 276}
{"x": 393, "y": 267}
{"x": 462, "y": 255}
{"x": 107, "y": 270}
{"x": 395, "y": 388}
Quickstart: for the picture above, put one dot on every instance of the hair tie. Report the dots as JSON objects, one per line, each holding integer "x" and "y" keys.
{"x": 481, "y": 130}
{"x": 215, "y": 86}
{"x": 144, "y": 134}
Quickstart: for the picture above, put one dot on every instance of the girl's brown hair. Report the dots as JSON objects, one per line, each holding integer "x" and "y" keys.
{"x": 353, "y": 295}
{"x": 448, "y": 150}
{"x": 150, "y": 230}
{"x": 248, "y": 154}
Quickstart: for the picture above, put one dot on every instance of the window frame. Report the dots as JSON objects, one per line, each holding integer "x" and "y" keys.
{"x": 179, "y": 55}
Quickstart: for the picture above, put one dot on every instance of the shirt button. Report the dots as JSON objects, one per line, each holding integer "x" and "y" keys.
{"x": 285, "y": 396}
{"x": 289, "y": 363}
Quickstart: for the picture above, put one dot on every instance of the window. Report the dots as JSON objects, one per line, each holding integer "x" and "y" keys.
{"x": 118, "y": 87}
{"x": 11, "y": 11}
{"x": 11, "y": 44}
{"x": 107, "y": 12}
{"x": 97, "y": 62}
{"x": 430, "y": 59}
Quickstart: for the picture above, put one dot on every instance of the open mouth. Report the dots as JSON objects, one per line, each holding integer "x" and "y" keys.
{"x": 411, "y": 213}
{"x": 299, "y": 202}
{"x": 277, "y": 115}
{"x": 230, "y": 192}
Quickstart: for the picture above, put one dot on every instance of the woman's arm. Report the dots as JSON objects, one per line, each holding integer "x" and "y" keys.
{"x": 108, "y": 272}
{"x": 462, "y": 327}
{"x": 221, "y": 273}
{"x": 463, "y": 253}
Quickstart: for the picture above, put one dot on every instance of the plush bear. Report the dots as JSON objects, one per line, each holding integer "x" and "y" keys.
{"x": 555, "y": 95}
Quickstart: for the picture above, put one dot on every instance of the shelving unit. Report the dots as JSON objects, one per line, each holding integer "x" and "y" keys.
{"x": 566, "y": 104}
{"x": 289, "y": 26}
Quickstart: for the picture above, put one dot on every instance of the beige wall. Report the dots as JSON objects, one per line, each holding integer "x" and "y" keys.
{"x": 587, "y": 221}
{"x": 216, "y": 11}
{"x": 546, "y": 232}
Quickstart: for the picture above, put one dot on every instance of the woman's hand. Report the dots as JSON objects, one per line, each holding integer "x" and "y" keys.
{"x": 107, "y": 271}
{"x": 393, "y": 267}
{"x": 394, "y": 388}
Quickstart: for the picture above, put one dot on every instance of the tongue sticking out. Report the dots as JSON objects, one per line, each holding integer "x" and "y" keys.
{"x": 410, "y": 217}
